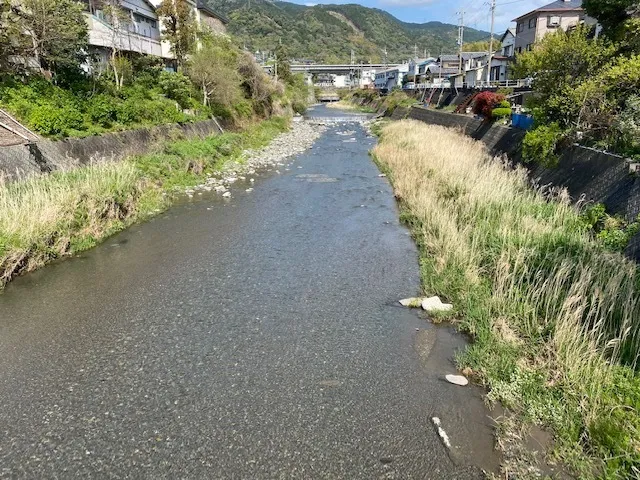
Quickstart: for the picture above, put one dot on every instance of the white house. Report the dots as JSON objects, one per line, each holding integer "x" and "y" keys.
{"x": 391, "y": 78}
{"x": 138, "y": 31}
{"x": 508, "y": 42}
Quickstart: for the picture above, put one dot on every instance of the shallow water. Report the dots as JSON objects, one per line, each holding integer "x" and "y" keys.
{"x": 254, "y": 337}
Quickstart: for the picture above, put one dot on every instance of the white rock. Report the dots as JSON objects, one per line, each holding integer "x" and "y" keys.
{"x": 252, "y": 180}
{"x": 226, "y": 194}
{"x": 415, "y": 302}
{"x": 231, "y": 179}
{"x": 249, "y": 190}
{"x": 221, "y": 188}
{"x": 382, "y": 175}
{"x": 434, "y": 304}
{"x": 457, "y": 380}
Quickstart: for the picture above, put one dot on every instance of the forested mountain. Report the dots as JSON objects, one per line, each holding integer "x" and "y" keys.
{"x": 328, "y": 33}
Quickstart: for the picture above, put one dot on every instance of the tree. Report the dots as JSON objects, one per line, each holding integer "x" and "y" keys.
{"x": 53, "y": 33}
{"x": 213, "y": 68}
{"x": 179, "y": 28}
{"x": 282, "y": 63}
{"x": 119, "y": 21}
{"x": 559, "y": 64}
{"x": 611, "y": 13}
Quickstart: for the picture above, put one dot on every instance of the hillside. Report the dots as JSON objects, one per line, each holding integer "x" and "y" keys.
{"x": 328, "y": 33}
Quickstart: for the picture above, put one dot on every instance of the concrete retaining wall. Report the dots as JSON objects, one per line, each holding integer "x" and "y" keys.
{"x": 587, "y": 174}
{"x": 46, "y": 156}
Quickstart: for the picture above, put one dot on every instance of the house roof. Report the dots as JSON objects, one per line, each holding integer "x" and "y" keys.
{"x": 509, "y": 31}
{"x": 468, "y": 55}
{"x": 206, "y": 8}
{"x": 438, "y": 69}
{"x": 558, "y": 5}
{"x": 448, "y": 58}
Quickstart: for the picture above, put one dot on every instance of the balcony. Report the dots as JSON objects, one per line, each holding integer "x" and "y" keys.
{"x": 101, "y": 34}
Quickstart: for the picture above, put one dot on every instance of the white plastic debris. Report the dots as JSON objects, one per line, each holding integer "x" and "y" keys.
{"x": 443, "y": 435}
{"x": 434, "y": 304}
{"x": 457, "y": 380}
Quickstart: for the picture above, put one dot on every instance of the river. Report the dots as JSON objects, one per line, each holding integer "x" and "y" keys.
{"x": 256, "y": 337}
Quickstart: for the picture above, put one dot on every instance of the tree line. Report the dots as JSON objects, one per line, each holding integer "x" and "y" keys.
{"x": 586, "y": 84}
{"x": 52, "y": 80}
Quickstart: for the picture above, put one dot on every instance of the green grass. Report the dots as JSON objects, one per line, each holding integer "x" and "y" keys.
{"x": 47, "y": 217}
{"x": 554, "y": 312}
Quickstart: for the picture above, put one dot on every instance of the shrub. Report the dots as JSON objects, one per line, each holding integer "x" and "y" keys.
{"x": 102, "y": 110}
{"x": 54, "y": 121}
{"x": 539, "y": 145}
{"x": 501, "y": 112}
{"x": 485, "y": 102}
{"x": 176, "y": 86}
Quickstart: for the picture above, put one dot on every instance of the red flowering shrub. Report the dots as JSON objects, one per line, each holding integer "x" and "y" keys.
{"x": 485, "y": 102}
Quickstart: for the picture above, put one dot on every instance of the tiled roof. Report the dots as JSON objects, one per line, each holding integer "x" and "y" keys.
{"x": 556, "y": 6}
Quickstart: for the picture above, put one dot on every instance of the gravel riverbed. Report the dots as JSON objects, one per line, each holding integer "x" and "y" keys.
{"x": 275, "y": 156}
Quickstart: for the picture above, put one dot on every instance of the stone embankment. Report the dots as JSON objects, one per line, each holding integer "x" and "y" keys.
{"x": 275, "y": 156}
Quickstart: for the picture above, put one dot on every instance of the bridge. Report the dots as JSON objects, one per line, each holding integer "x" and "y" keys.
{"x": 343, "y": 68}
{"x": 338, "y": 69}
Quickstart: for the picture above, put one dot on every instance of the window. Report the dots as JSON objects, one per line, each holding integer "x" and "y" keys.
{"x": 553, "y": 21}
{"x": 520, "y": 27}
{"x": 532, "y": 22}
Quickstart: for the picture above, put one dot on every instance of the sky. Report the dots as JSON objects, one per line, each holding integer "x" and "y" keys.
{"x": 477, "y": 13}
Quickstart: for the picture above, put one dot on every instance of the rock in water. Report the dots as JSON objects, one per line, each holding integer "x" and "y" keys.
{"x": 457, "y": 380}
{"x": 434, "y": 304}
{"x": 226, "y": 194}
{"x": 414, "y": 302}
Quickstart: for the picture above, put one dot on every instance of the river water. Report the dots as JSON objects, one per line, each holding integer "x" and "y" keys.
{"x": 256, "y": 337}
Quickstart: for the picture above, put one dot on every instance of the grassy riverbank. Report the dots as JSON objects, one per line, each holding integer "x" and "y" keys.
{"x": 48, "y": 217}
{"x": 555, "y": 317}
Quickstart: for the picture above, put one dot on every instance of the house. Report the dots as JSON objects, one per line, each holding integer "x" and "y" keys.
{"x": 417, "y": 69}
{"x": 366, "y": 78}
{"x": 207, "y": 17}
{"x": 387, "y": 80}
{"x": 561, "y": 14}
{"x": 438, "y": 75}
{"x": 508, "y": 42}
{"x": 137, "y": 30}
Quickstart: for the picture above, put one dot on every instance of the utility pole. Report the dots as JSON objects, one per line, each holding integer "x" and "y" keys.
{"x": 415, "y": 51}
{"x": 460, "y": 39}
{"x": 385, "y": 57}
{"x": 493, "y": 19}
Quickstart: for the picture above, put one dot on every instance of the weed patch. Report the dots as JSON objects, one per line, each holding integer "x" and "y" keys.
{"x": 552, "y": 308}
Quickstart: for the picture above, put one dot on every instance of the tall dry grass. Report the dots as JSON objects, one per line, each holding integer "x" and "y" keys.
{"x": 45, "y": 217}
{"x": 553, "y": 312}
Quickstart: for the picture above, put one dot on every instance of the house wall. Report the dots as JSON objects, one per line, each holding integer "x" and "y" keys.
{"x": 101, "y": 34}
{"x": 508, "y": 46}
{"x": 531, "y": 35}
{"x": 215, "y": 24}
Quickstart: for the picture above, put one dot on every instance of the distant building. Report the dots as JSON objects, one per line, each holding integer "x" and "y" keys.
{"x": 561, "y": 14}
{"x": 387, "y": 80}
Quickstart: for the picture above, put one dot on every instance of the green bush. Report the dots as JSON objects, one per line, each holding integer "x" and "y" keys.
{"x": 539, "y": 145}
{"x": 102, "y": 110}
{"x": 501, "y": 112}
{"x": 176, "y": 86}
{"x": 55, "y": 121}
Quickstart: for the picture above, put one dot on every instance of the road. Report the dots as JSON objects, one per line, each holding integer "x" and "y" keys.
{"x": 252, "y": 338}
